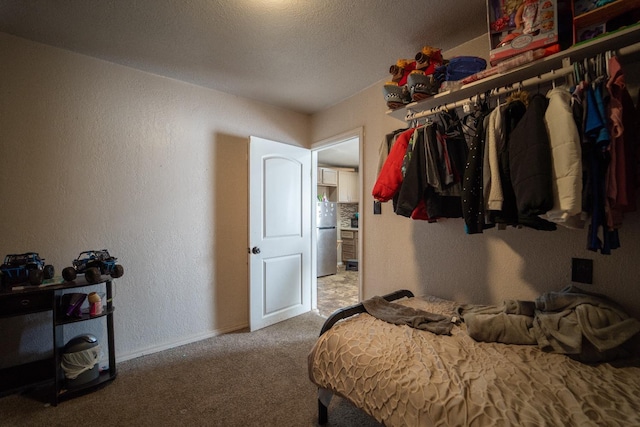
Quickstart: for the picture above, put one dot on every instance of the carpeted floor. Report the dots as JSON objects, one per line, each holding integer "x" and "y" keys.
{"x": 236, "y": 379}
{"x": 337, "y": 291}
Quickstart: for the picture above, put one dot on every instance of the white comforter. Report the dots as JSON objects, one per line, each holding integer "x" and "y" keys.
{"x": 409, "y": 377}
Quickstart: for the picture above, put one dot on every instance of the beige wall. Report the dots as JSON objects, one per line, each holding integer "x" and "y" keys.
{"x": 95, "y": 155}
{"x": 440, "y": 259}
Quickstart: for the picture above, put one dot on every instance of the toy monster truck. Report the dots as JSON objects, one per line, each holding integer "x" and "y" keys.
{"x": 22, "y": 268}
{"x": 93, "y": 264}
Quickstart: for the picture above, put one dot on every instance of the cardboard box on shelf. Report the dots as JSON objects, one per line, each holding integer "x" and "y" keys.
{"x": 516, "y": 26}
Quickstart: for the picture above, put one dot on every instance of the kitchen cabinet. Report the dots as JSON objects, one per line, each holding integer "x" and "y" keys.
{"x": 348, "y": 191}
{"x": 349, "y": 244}
{"x": 327, "y": 177}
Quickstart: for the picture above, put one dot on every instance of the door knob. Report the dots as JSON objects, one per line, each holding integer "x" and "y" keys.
{"x": 255, "y": 250}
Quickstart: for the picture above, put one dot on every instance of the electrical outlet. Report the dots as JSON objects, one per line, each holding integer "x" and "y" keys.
{"x": 582, "y": 270}
{"x": 377, "y": 207}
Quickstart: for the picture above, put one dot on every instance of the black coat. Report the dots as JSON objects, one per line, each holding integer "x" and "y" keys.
{"x": 530, "y": 162}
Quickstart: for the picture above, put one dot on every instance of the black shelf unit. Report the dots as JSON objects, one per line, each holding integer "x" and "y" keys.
{"x": 48, "y": 371}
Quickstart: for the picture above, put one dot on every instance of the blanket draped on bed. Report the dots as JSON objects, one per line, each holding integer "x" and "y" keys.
{"x": 403, "y": 377}
{"x": 398, "y": 314}
{"x": 586, "y": 325}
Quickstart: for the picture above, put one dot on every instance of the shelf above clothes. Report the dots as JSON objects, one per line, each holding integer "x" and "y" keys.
{"x": 624, "y": 42}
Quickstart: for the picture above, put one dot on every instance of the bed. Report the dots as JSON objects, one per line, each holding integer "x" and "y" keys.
{"x": 404, "y": 376}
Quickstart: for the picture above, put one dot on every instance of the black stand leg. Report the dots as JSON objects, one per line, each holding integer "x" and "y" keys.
{"x": 323, "y": 415}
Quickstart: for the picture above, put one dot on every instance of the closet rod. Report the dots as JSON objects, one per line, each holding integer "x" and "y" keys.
{"x": 628, "y": 50}
{"x": 543, "y": 78}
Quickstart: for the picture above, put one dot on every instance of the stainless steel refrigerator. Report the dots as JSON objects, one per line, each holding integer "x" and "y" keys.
{"x": 327, "y": 238}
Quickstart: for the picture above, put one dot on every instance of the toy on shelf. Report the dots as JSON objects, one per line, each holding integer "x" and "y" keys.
{"x": 413, "y": 80}
{"x": 395, "y": 96}
{"x": 93, "y": 264}
{"x": 395, "y": 91}
{"x": 428, "y": 59}
{"x": 425, "y": 80}
{"x": 95, "y": 304}
{"x": 25, "y": 268}
{"x": 71, "y": 304}
{"x": 516, "y": 26}
{"x": 401, "y": 70}
{"x": 422, "y": 86}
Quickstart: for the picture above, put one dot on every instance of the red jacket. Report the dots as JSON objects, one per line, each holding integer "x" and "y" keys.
{"x": 390, "y": 177}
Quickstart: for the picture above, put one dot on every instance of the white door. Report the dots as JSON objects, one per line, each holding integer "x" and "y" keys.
{"x": 279, "y": 232}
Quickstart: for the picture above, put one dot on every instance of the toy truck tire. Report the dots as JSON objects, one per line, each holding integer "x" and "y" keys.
{"x": 117, "y": 271}
{"x": 49, "y": 271}
{"x": 92, "y": 275}
{"x": 35, "y": 277}
{"x": 69, "y": 274}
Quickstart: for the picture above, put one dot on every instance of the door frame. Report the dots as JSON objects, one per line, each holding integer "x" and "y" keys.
{"x": 319, "y": 146}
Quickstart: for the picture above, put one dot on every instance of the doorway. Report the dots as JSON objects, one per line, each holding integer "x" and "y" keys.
{"x": 339, "y": 157}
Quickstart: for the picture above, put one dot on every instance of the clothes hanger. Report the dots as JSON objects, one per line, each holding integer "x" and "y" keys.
{"x": 608, "y": 57}
{"x": 578, "y": 72}
{"x": 586, "y": 71}
{"x": 569, "y": 81}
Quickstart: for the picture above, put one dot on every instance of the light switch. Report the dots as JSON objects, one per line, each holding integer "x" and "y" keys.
{"x": 582, "y": 270}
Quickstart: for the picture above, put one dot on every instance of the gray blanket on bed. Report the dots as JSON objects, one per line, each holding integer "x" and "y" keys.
{"x": 399, "y": 314}
{"x": 572, "y": 321}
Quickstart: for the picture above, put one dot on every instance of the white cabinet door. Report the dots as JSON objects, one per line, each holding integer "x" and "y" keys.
{"x": 348, "y": 191}
{"x": 327, "y": 177}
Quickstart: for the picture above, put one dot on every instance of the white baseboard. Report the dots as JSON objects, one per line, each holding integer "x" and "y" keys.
{"x": 172, "y": 344}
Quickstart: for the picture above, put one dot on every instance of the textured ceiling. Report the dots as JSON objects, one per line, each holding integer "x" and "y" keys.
{"x": 302, "y": 55}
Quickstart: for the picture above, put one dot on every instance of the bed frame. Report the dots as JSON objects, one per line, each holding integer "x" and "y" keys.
{"x": 343, "y": 313}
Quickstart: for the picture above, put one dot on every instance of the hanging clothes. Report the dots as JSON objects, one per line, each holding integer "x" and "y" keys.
{"x": 579, "y": 110}
{"x": 530, "y": 163}
{"x": 492, "y": 185}
{"x": 456, "y": 145}
{"x": 420, "y": 210}
{"x": 385, "y": 147}
{"x": 622, "y": 174}
{"x": 566, "y": 159}
{"x": 511, "y": 115}
{"x": 597, "y": 140}
{"x": 472, "y": 195}
{"x": 448, "y": 156}
{"x": 413, "y": 187}
{"x": 390, "y": 176}
{"x": 433, "y": 171}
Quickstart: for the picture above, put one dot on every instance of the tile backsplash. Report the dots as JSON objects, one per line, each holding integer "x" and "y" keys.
{"x": 345, "y": 213}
